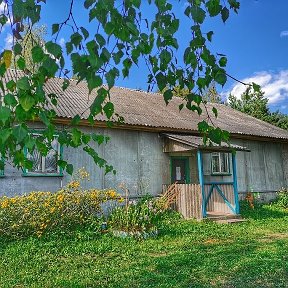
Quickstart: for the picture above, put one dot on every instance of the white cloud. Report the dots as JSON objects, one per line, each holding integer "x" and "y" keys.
{"x": 275, "y": 85}
{"x": 3, "y": 7}
{"x": 3, "y": 10}
{"x": 61, "y": 42}
{"x": 8, "y": 41}
{"x": 284, "y": 33}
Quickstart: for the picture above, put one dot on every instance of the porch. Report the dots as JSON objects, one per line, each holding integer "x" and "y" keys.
{"x": 203, "y": 179}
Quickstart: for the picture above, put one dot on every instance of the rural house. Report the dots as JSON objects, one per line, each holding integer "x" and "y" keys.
{"x": 158, "y": 145}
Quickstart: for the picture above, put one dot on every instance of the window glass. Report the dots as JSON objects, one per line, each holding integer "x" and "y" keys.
{"x": 220, "y": 163}
{"x": 45, "y": 164}
{"x": 215, "y": 163}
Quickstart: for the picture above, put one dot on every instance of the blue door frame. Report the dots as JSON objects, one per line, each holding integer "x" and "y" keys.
{"x": 215, "y": 186}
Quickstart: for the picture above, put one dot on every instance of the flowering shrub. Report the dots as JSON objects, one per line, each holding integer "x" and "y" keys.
{"x": 40, "y": 212}
{"x": 282, "y": 198}
{"x": 142, "y": 216}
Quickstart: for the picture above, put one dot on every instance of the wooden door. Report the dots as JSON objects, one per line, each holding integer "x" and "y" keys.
{"x": 180, "y": 171}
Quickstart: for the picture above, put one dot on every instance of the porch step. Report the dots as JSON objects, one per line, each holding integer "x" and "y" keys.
{"x": 230, "y": 221}
{"x": 224, "y": 218}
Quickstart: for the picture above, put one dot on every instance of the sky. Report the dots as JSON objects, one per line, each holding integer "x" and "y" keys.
{"x": 255, "y": 42}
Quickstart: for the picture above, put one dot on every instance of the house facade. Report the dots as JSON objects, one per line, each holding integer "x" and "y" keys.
{"x": 158, "y": 145}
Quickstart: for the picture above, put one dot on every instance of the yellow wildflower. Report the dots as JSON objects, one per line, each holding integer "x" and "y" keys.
{"x": 5, "y": 204}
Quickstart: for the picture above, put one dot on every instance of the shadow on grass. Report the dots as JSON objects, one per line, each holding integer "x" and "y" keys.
{"x": 198, "y": 265}
{"x": 262, "y": 211}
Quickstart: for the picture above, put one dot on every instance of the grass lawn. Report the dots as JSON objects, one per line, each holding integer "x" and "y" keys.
{"x": 186, "y": 254}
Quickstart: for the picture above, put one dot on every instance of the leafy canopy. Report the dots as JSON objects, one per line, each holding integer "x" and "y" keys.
{"x": 122, "y": 36}
{"x": 255, "y": 104}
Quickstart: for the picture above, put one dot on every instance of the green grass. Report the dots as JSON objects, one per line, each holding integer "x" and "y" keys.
{"x": 186, "y": 254}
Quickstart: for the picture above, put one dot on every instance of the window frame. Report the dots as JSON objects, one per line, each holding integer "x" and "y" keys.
{"x": 27, "y": 173}
{"x": 227, "y": 160}
{"x": 2, "y": 172}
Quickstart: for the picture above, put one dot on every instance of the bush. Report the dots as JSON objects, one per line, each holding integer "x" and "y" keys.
{"x": 282, "y": 198}
{"x": 143, "y": 216}
{"x": 41, "y": 212}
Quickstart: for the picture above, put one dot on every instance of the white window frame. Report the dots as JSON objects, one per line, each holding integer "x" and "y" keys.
{"x": 221, "y": 168}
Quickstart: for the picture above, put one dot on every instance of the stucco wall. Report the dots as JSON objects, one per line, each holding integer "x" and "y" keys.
{"x": 262, "y": 169}
{"x": 137, "y": 157}
{"x": 143, "y": 167}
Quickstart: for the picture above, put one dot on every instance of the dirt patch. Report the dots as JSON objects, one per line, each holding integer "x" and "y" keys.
{"x": 214, "y": 241}
{"x": 274, "y": 236}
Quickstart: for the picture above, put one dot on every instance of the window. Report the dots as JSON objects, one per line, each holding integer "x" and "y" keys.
{"x": 220, "y": 163}
{"x": 45, "y": 165}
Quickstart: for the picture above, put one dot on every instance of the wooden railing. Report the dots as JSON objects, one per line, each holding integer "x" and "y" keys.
{"x": 187, "y": 199}
{"x": 219, "y": 197}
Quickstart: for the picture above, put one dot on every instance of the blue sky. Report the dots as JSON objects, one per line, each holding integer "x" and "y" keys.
{"x": 255, "y": 42}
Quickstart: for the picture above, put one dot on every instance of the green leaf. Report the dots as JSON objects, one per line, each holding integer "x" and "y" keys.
{"x": 30, "y": 142}
{"x": 221, "y": 77}
{"x": 69, "y": 47}
{"x": 9, "y": 99}
{"x": 133, "y": 29}
{"x": 225, "y": 14}
{"x": 76, "y": 120}
{"x": 98, "y": 138}
{"x": 256, "y": 87}
{"x": 55, "y": 28}
{"x": 76, "y": 39}
{"x": 93, "y": 81}
{"x": 100, "y": 39}
{"x": 96, "y": 106}
{"x": 69, "y": 169}
{"x": 3, "y": 19}
{"x": 51, "y": 66}
{"x": 62, "y": 164}
{"x": 168, "y": 94}
{"x": 11, "y": 85}
{"x": 136, "y": 3}
{"x": 23, "y": 83}
{"x": 109, "y": 28}
{"x": 37, "y": 54}
{"x": 86, "y": 139}
{"x": 54, "y": 49}
{"x": 215, "y": 135}
{"x": 209, "y": 35}
{"x": 223, "y": 61}
{"x": 203, "y": 126}
{"x": 214, "y": 7}
{"x": 215, "y": 111}
{"x": 5, "y": 113}
{"x": 5, "y": 134}
{"x": 17, "y": 49}
{"x": 26, "y": 101}
{"x": 161, "y": 81}
{"x": 88, "y": 3}
{"x": 109, "y": 109}
{"x": 76, "y": 137}
{"x": 19, "y": 132}
{"x": 84, "y": 32}
{"x": 198, "y": 14}
{"x": 21, "y": 63}
{"x": 44, "y": 118}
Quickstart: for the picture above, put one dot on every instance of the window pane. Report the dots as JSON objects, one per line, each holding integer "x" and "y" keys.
{"x": 51, "y": 158}
{"x": 36, "y": 158}
{"x": 215, "y": 163}
{"x": 224, "y": 163}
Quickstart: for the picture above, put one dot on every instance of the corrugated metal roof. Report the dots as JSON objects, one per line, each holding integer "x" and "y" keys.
{"x": 197, "y": 142}
{"x": 149, "y": 109}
